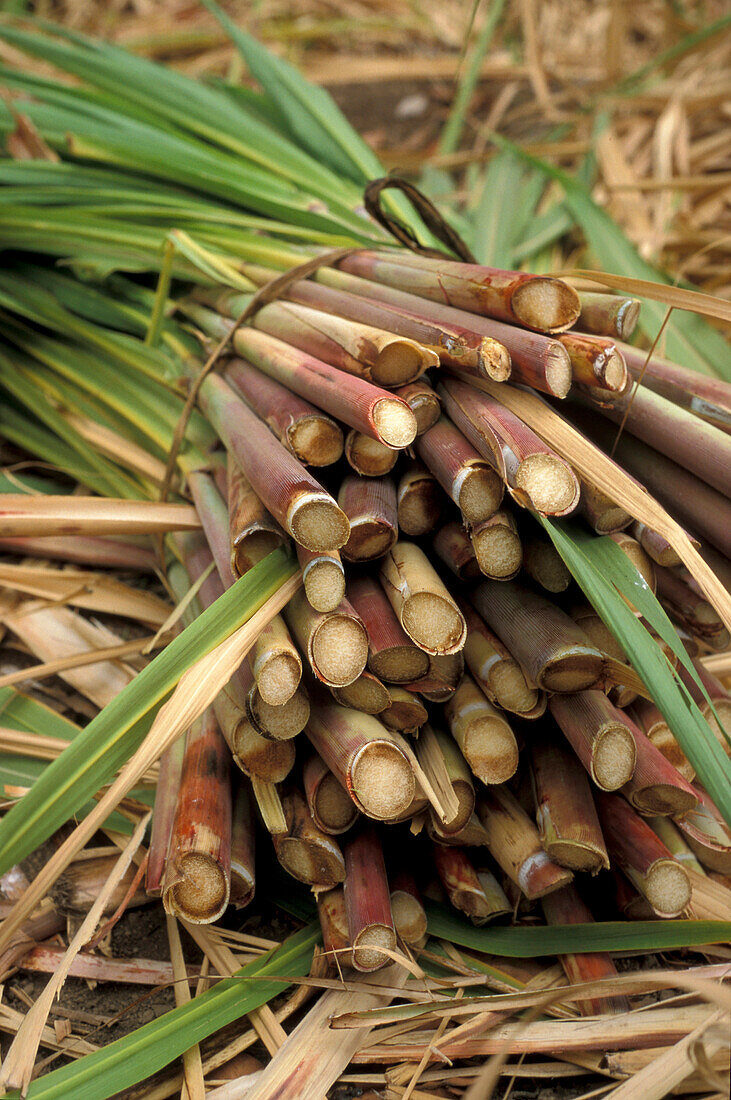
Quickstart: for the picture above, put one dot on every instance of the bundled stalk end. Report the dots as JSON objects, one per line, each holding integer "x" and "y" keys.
{"x": 368, "y": 902}
{"x": 425, "y": 608}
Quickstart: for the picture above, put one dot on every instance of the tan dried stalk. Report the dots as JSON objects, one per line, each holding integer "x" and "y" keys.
{"x": 485, "y": 739}
{"x": 422, "y": 603}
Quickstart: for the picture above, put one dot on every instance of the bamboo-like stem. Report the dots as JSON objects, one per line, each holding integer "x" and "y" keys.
{"x": 371, "y": 507}
{"x": 423, "y": 605}
{"x": 596, "y": 361}
{"x": 449, "y": 774}
{"x": 707, "y": 833}
{"x": 719, "y": 697}
{"x": 323, "y": 578}
{"x": 305, "y": 851}
{"x": 656, "y": 787}
{"x": 252, "y": 531}
{"x": 407, "y": 909}
{"x": 601, "y": 636}
{"x": 655, "y": 727}
{"x": 550, "y": 648}
{"x": 334, "y": 925}
{"x": 453, "y": 546}
{"x": 675, "y": 843}
{"x": 497, "y": 546}
{"x": 349, "y": 399}
{"x": 97, "y": 552}
{"x": 655, "y": 545}
{"x": 473, "y": 834}
{"x": 535, "y": 475}
{"x": 514, "y": 842}
{"x": 495, "y": 670}
{"x": 419, "y": 501}
{"x": 275, "y": 663}
{"x": 243, "y": 881}
{"x": 423, "y": 402}
{"x": 534, "y": 301}
{"x": 544, "y": 564}
{"x": 484, "y": 737}
{"x": 707, "y": 398}
{"x": 565, "y": 811}
{"x": 441, "y": 681}
{"x": 642, "y": 561}
{"x": 370, "y": 761}
{"x": 608, "y": 314}
{"x": 269, "y": 805}
{"x": 331, "y": 807}
{"x": 23, "y": 515}
{"x": 465, "y": 476}
{"x": 368, "y": 901}
{"x": 312, "y": 437}
{"x": 464, "y": 888}
{"x": 166, "y": 791}
{"x": 564, "y": 907}
{"x": 367, "y": 456}
{"x": 258, "y": 757}
{"x": 696, "y": 613}
{"x": 600, "y": 511}
{"x": 392, "y": 656}
{"x": 213, "y": 513}
{"x": 405, "y": 711}
{"x": 601, "y": 736}
{"x": 294, "y": 498}
{"x": 702, "y": 509}
{"x": 367, "y": 693}
{"x": 335, "y": 642}
{"x": 197, "y": 875}
{"x": 636, "y": 850}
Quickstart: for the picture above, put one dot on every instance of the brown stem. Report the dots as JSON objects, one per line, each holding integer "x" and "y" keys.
{"x": 368, "y": 901}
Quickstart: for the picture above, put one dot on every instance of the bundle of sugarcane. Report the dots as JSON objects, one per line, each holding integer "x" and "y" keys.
{"x": 432, "y": 437}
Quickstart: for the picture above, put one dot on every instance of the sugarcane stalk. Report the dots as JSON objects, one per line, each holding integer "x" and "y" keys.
{"x": 695, "y": 612}
{"x": 675, "y": 843}
{"x": 407, "y": 908}
{"x": 608, "y": 314}
{"x": 484, "y": 737}
{"x": 252, "y": 531}
{"x": 370, "y": 761}
{"x": 707, "y": 398}
{"x": 258, "y": 757}
{"x": 367, "y": 456}
{"x": 102, "y": 553}
{"x": 656, "y": 787}
{"x": 473, "y": 834}
{"x": 76, "y": 890}
{"x": 367, "y": 693}
{"x": 495, "y": 670}
{"x": 422, "y": 603}
{"x": 392, "y": 656}
{"x": 330, "y": 805}
{"x": 655, "y": 545}
{"x": 419, "y": 501}
{"x": 640, "y": 854}
{"x": 599, "y": 633}
{"x": 243, "y": 881}
{"x": 719, "y": 696}
{"x": 534, "y": 474}
{"x": 514, "y": 842}
{"x": 497, "y": 546}
{"x": 655, "y": 727}
{"x": 305, "y": 851}
{"x": 335, "y": 642}
{"x": 368, "y": 901}
{"x": 441, "y": 681}
{"x": 464, "y": 887}
{"x": 642, "y": 561}
{"x": 534, "y": 301}
{"x": 565, "y": 812}
{"x": 293, "y": 497}
{"x": 25, "y": 515}
{"x": 371, "y": 507}
{"x": 596, "y": 361}
{"x": 600, "y": 511}
{"x": 197, "y": 876}
{"x": 312, "y": 437}
{"x": 275, "y": 663}
{"x": 465, "y": 476}
{"x": 165, "y": 808}
{"x": 602, "y": 736}
{"x": 423, "y": 402}
{"x": 707, "y": 833}
{"x": 449, "y": 774}
{"x": 269, "y": 805}
{"x": 334, "y": 925}
{"x": 550, "y": 648}
{"x": 453, "y": 546}
{"x": 405, "y": 711}
{"x": 564, "y": 907}
{"x": 323, "y": 578}
{"x": 213, "y": 513}
{"x": 543, "y": 563}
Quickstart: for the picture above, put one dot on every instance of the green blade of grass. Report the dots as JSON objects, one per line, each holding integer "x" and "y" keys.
{"x": 116, "y": 732}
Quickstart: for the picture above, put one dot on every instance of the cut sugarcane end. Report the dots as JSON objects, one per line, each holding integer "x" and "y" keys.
{"x": 409, "y": 917}
{"x": 400, "y": 664}
{"x": 558, "y": 370}
{"x": 383, "y": 780}
{"x": 369, "y": 538}
{"x": 498, "y": 550}
{"x": 578, "y": 856}
{"x": 401, "y": 362}
{"x": 279, "y": 679}
{"x": 667, "y": 888}
{"x": 615, "y": 372}
{"x": 479, "y": 493}
{"x": 340, "y": 650}
{"x": 368, "y": 948}
{"x": 309, "y": 862}
{"x": 549, "y": 484}
{"x": 316, "y": 522}
{"x": 284, "y": 721}
{"x": 201, "y": 894}
{"x": 572, "y": 672}
{"x": 251, "y": 548}
{"x": 324, "y": 581}
{"x": 367, "y": 694}
{"x": 433, "y": 623}
{"x": 511, "y": 689}
{"x": 316, "y": 441}
{"x": 664, "y": 799}
{"x": 546, "y": 304}
{"x": 394, "y": 422}
{"x": 335, "y": 807}
{"x": 613, "y": 761}
{"x": 491, "y": 749}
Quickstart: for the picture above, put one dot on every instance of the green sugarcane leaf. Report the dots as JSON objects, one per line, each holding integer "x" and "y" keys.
{"x": 137, "y": 1056}
{"x": 116, "y": 732}
{"x": 594, "y": 570}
